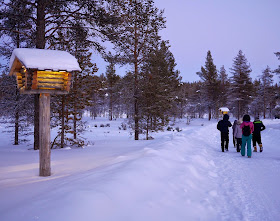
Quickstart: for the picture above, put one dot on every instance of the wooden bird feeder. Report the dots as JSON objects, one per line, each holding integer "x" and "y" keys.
{"x": 223, "y": 110}
{"x": 43, "y": 72}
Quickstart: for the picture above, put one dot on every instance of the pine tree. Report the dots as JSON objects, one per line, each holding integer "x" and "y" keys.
{"x": 47, "y": 19}
{"x": 266, "y": 89}
{"x": 127, "y": 89}
{"x": 241, "y": 85}
{"x": 277, "y": 71}
{"x": 182, "y": 98}
{"x": 97, "y": 85}
{"x": 140, "y": 22}
{"x": 72, "y": 105}
{"x": 159, "y": 86}
{"x": 223, "y": 87}
{"x": 209, "y": 77}
{"x": 256, "y": 105}
{"x": 15, "y": 108}
{"x": 112, "y": 80}
{"x": 196, "y": 105}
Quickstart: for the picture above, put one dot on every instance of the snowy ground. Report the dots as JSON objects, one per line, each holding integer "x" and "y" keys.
{"x": 178, "y": 176}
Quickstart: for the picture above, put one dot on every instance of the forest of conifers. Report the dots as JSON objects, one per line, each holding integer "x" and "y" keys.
{"x": 149, "y": 95}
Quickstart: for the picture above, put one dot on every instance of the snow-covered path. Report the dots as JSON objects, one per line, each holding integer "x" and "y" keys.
{"x": 178, "y": 176}
{"x": 248, "y": 187}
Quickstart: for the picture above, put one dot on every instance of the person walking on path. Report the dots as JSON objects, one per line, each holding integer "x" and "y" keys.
{"x": 238, "y": 135}
{"x": 223, "y": 126}
{"x": 247, "y": 129}
{"x": 258, "y": 127}
{"x": 233, "y": 132}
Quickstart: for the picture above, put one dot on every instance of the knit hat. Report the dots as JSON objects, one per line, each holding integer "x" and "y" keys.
{"x": 226, "y": 117}
{"x": 246, "y": 117}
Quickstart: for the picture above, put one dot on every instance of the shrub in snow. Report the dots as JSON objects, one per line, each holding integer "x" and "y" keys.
{"x": 169, "y": 128}
{"x": 124, "y": 126}
{"x": 178, "y": 129}
{"x": 107, "y": 125}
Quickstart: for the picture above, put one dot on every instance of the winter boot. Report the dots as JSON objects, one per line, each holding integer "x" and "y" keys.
{"x": 261, "y": 148}
{"x": 255, "y": 149}
{"x": 238, "y": 148}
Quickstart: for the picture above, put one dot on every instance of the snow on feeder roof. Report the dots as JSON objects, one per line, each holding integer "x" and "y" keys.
{"x": 224, "y": 109}
{"x": 43, "y": 71}
{"x": 42, "y": 59}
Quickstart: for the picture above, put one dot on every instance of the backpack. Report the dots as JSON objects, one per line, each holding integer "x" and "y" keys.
{"x": 246, "y": 131}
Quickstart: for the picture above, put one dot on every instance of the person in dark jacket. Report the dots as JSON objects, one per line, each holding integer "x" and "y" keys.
{"x": 223, "y": 126}
{"x": 258, "y": 127}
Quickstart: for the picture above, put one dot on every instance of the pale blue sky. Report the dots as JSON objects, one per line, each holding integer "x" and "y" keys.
{"x": 224, "y": 27}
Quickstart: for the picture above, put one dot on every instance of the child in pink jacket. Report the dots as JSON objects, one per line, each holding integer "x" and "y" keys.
{"x": 247, "y": 129}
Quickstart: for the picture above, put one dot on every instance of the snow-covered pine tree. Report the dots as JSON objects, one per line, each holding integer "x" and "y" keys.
{"x": 241, "y": 85}
{"x": 209, "y": 77}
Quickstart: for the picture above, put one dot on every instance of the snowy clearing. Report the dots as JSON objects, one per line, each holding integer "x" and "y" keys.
{"x": 177, "y": 176}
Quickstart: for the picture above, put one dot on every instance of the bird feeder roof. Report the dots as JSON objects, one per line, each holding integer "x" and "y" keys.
{"x": 42, "y": 59}
{"x": 223, "y": 109}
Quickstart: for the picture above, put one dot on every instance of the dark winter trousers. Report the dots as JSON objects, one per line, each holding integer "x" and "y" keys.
{"x": 246, "y": 140}
{"x": 224, "y": 140}
{"x": 257, "y": 139}
{"x": 238, "y": 144}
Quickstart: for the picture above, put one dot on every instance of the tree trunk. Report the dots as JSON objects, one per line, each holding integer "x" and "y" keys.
{"x": 44, "y": 142}
{"x": 264, "y": 109}
{"x": 111, "y": 107}
{"x": 147, "y": 129}
{"x": 36, "y": 121}
{"x": 238, "y": 113}
{"x": 16, "y": 118}
{"x": 136, "y": 105}
{"x": 62, "y": 121}
{"x": 75, "y": 109}
{"x": 40, "y": 43}
{"x": 16, "y": 127}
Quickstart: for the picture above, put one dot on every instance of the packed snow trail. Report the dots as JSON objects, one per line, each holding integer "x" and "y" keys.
{"x": 248, "y": 187}
{"x": 178, "y": 176}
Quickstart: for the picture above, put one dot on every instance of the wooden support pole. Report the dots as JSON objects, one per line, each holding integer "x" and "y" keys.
{"x": 44, "y": 134}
